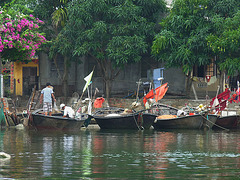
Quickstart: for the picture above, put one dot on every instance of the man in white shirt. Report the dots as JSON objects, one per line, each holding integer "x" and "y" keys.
{"x": 68, "y": 111}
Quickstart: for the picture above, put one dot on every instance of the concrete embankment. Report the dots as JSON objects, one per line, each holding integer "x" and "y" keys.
{"x": 177, "y": 102}
{"x": 174, "y": 102}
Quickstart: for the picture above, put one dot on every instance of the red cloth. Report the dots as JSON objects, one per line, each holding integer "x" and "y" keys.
{"x": 222, "y": 105}
{"x": 98, "y": 102}
{"x": 149, "y": 95}
{"x": 224, "y": 95}
{"x": 234, "y": 98}
{"x": 158, "y": 94}
{"x": 238, "y": 91}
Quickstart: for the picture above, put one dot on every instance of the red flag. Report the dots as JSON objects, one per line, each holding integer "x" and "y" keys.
{"x": 149, "y": 95}
{"x": 224, "y": 95}
{"x": 160, "y": 92}
{"x": 221, "y": 106}
{"x": 238, "y": 91}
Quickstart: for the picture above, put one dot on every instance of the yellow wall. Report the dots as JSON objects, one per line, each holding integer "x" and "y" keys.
{"x": 18, "y": 75}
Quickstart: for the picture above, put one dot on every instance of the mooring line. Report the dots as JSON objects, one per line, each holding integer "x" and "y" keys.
{"x": 215, "y": 123}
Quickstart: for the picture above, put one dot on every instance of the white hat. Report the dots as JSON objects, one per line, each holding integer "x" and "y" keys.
{"x": 62, "y": 105}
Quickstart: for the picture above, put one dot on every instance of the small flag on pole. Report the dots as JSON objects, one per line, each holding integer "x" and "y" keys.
{"x": 88, "y": 80}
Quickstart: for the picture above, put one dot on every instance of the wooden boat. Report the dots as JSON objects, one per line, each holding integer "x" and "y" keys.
{"x": 116, "y": 118}
{"x": 56, "y": 121}
{"x": 163, "y": 109}
{"x": 229, "y": 122}
{"x": 186, "y": 122}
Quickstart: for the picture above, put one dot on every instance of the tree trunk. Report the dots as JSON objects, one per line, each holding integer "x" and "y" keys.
{"x": 108, "y": 88}
{"x": 221, "y": 81}
{"x": 65, "y": 78}
{"x": 108, "y": 74}
{"x": 188, "y": 85}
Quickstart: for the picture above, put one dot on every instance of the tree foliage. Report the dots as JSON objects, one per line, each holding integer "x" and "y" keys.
{"x": 194, "y": 32}
{"x": 112, "y": 32}
{"x": 225, "y": 40}
{"x": 55, "y": 15}
{"x": 44, "y": 9}
{"x": 197, "y": 30}
{"x": 182, "y": 41}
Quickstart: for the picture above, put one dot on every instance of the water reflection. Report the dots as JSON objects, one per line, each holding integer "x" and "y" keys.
{"x": 101, "y": 154}
{"x": 157, "y": 165}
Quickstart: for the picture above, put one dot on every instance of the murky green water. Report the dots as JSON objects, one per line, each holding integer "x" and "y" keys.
{"x": 118, "y": 154}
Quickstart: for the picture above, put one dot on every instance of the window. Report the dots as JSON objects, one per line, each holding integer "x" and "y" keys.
{"x": 210, "y": 69}
{"x": 202, "y": 71}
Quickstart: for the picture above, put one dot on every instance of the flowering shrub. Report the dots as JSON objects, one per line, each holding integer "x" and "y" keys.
{"x": 19, "y": 35}
{"x": 5, "y": 71}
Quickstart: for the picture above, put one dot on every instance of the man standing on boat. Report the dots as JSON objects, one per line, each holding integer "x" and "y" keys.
{"x": 68, "y": 111}
{"x": 47, "y": 96}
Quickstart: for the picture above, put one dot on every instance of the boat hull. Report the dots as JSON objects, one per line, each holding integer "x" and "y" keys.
{"x": 186, "y": 122}
{"x": 229, "y": 122}
{"x": 42, "y": 122}
{"x": 128, "y": 121}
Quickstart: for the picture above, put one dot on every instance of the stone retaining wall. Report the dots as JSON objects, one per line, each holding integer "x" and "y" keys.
{"x": 175, "y": 102}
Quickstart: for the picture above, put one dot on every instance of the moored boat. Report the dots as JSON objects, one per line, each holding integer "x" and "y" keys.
{"x": 229, "y": 122}
{"x": 56, "y": 121}
{"x": 197, "y": 121}
{"x": 118, "y": 119}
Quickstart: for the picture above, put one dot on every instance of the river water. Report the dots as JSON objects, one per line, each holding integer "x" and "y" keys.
{"x": 120, "y": 154}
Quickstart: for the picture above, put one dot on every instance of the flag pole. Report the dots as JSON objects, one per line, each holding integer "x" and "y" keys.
{"x": 138, "y": 83}
{"x": 86, "y": 86}
{"x": 160, "y": 79}
{"x": 217, "y": 95}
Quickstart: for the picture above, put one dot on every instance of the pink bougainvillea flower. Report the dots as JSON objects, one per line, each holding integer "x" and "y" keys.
{"x": 13, "y": 33}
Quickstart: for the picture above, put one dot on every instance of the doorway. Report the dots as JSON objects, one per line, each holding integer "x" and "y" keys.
{"x": 30, "y": 79}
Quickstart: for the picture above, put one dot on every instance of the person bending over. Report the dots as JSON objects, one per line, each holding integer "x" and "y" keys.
{"x": 67, "y": 111}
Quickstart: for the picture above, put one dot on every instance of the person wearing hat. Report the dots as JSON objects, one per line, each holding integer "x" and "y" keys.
{"x": 46, "y": 97}
{"x": 67, "y": 111}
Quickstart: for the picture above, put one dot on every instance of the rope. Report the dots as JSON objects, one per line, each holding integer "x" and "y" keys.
{"x": 214, "y": 123}
{"x": 140, "y": 120}
{"x": 137, "y": 122}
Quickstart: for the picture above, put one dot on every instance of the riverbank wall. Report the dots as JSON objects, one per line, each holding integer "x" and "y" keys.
{"x": 174, "y": 101}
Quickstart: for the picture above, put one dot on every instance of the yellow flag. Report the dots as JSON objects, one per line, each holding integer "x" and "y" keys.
{"x": 88, "y": 80}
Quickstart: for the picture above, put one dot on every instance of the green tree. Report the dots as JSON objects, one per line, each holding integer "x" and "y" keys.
{"x": 114, "y": 33}
{"x": 60, "y": 44}
{"x": 182, "y": 40}
{"x": 225, "y": 40}
{"x": 2, "y": 3}
{"x": 224, "y": 37}
{"x": 54, "y": 13}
